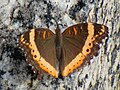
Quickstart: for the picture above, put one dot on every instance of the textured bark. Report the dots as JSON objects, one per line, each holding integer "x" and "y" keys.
{"x": 16, "y": 16}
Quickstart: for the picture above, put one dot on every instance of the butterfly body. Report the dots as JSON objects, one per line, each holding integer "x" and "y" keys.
{"x": 62, "y": 53}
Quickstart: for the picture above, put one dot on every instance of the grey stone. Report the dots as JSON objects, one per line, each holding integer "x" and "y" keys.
{"x": 17, "y": 16}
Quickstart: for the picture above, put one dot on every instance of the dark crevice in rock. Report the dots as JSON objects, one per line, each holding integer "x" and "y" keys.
{"x": 75, "y": 9}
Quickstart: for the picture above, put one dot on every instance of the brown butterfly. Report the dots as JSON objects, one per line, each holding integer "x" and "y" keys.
{"x": 62, "y": 53}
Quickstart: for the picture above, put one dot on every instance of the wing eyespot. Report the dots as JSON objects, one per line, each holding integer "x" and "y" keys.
{"x": 30, "y": 46}
{"x": 35, "y": 56}
{"x": 92, "y": 39}
{"x": 88, "y": 51}
{"x": 90, "y": 44}
{"x": 33, "y": 50}
{"x": 81, "y": 56}
{"x": 73, "y": 65}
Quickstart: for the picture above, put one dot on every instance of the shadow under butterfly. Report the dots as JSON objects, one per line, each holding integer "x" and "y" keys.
{"x": 61, "y": 53}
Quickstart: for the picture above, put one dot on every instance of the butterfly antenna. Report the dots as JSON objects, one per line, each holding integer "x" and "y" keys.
{"x": 56, "y": 22}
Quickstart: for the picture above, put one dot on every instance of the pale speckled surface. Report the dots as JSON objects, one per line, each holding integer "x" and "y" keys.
{"x": 16, "y": 16}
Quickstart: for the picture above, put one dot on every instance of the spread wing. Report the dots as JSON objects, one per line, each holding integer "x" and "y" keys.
{"x": 80, "y": 42}
{"x": 40, "y": 50}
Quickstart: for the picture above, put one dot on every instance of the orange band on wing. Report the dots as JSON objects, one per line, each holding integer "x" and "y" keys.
{"x": 89, "y": 41}
{"x": 37, "y": 57}
{"x": 79, "y": 59}
{"x": 75, "y": 63}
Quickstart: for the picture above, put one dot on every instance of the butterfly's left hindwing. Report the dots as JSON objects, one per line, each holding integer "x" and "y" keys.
{"x": 80, "y": 42}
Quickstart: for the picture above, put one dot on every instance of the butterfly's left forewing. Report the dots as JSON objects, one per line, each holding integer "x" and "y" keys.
{"x": 80, "y": 42}
{"x": 39, "y": 46}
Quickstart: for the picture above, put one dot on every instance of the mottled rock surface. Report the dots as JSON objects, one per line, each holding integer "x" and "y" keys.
{"x": 17, "y": 16}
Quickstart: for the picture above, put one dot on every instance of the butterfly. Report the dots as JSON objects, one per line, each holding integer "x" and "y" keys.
{"x": 61, "y": 53}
